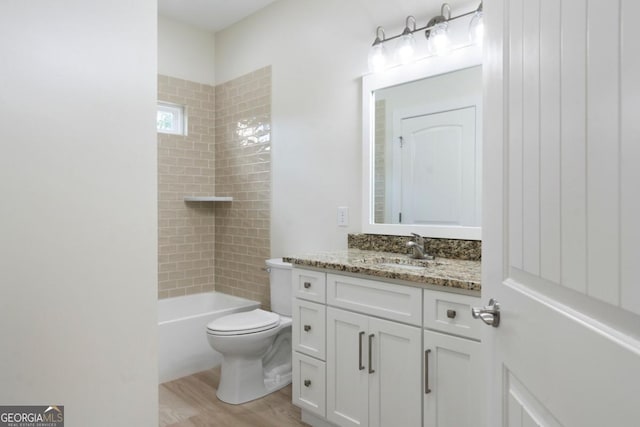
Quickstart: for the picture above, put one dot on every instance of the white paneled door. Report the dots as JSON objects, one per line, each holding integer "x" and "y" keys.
{"x": 561, "y": 228}
{"x": 440, "y": 158}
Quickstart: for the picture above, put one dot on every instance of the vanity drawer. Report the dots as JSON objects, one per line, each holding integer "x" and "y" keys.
{"x": 451, "y": 313}
{"x": 387, "y": 300}
{"x": 309, "y": 328}
{"x": 309, "y": 384}
{"x": 309, "y": 285}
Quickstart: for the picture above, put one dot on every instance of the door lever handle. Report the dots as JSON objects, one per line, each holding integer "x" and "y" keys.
{"x": 489, "y": 314}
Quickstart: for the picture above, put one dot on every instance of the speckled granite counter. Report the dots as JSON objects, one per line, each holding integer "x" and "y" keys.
{"x": 447, "y": 273}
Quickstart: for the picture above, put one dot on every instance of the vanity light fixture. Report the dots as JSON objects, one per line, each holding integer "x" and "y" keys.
{"x": 378, "y": 52}
{"x": 406, "y": 46}
{"x": 476, "y": 26}
{"x": 436, "y": 31}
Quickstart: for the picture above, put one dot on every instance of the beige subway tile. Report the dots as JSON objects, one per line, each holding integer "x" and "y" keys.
{"x": 185, "y": 282}
{"x": 176, "y": 293}
{"x": 165, "y": 285}
{"x": 194, "y": 290}
{"x": 176, "y": 274}
{"x": 202, "y": 280}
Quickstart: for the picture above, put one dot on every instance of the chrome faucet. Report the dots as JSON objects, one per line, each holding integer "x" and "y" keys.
{"x": 418, "y": 247}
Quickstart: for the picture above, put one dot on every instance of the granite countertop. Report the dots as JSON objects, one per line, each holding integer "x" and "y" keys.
{"x": 441, "y": 272}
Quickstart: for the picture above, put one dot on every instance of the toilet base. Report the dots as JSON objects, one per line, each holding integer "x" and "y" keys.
{"x": 242, "y": 381}
{"x": 245, "y": 378}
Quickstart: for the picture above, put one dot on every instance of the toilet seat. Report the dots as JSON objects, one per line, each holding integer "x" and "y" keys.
{"x": 243, "y": 323}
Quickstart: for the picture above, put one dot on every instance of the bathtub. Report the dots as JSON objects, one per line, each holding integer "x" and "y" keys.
{"x": 183, "y": 348}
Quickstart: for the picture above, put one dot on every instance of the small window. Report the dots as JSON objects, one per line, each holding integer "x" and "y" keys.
{"x": 171, "y": 119}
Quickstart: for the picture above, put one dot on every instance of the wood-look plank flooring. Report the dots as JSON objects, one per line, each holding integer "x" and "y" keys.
{"x": 191, "y": 402}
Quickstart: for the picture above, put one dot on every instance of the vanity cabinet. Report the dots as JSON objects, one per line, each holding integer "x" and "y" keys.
{"x": 371, "y": 353}
{"x": 451, "y": 364}
{"x": 373, "y": 360}
{"x": 373, "y": 371}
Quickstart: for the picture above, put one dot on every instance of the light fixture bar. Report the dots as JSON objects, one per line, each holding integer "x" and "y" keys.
{"x": 428, "y": 27}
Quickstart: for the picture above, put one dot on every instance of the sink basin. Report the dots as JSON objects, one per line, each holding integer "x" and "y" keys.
{"x": 402, "y": 266}
{"x": 400, "y": 262}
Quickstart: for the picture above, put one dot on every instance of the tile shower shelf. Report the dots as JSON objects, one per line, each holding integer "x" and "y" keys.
{"x": 208, "y": 199}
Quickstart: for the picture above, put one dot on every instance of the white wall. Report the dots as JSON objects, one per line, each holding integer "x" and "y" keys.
{"x": 318, "y": 50}
{"x": 78, "y": 212}
{"x": 185, "y": 52}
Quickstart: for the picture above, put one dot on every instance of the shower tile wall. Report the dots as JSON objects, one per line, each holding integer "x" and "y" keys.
{"x": 186, "y": 167}
{"x": 243, "y": 170}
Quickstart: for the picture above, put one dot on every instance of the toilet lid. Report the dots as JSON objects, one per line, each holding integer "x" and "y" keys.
{"x": 246, "y": 322}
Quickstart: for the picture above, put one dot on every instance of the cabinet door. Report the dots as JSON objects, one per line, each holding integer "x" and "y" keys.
{"x": 454, "y": 372}
{"x": 395, "y": 383}
{"x": 347, "y": 373}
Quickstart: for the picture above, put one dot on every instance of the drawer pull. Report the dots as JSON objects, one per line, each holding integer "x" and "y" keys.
{"x": 371, "y": 371}
{"x": 307, "y": 328}
{"x": 451, "y": 314}
{"x": 427, "y": 390}
{"x": 360, "y": 365}
{"x": 307, "y": 383}
{"x": 307, "y": 285}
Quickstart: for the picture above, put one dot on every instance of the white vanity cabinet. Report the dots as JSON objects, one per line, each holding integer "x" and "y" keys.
{"x": 359, "y": 348}
{"x": 452, "y": 366}
{"x": 373, "y": 360}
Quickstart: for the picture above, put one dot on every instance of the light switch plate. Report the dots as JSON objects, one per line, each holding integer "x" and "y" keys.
{"x": 343, "y": 216}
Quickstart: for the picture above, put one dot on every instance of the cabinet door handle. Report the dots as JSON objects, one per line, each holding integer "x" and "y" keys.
{"x": 307, "y": 383}
{"x": 360, "y": 365}
{"x": 371, "y": 371}
{"x": 427, "y": 390}
{"x": 307, "y": 285}
{"x": 307, "y": 328}
{"x": 451, "y": 314}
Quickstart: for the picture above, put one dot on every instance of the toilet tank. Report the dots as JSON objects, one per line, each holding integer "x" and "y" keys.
{"x": 280, "y": 284}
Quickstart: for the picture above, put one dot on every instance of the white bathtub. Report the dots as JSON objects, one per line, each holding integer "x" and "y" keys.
{"x": 183, "y": 348}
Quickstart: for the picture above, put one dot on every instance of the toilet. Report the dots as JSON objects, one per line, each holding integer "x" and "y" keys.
{"x": 256, "y": 345}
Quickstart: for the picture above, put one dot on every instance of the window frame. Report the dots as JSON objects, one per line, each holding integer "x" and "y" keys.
{"x": 180, "y": 114}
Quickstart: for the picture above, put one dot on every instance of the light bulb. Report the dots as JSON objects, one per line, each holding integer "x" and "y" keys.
{"x": 476, "y": 28}
{"x": 377, "y": 57}
{"x": 405, "y": 48}
{"x": 439, "y": 43}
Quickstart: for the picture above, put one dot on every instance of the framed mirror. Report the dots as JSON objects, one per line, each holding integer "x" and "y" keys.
{"x": 422, "y": 148}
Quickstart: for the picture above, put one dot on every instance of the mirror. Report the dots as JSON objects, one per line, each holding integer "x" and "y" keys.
{"x": 422, "y": 127}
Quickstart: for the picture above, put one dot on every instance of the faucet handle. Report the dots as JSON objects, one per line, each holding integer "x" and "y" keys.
{"x": 418, "y": 238}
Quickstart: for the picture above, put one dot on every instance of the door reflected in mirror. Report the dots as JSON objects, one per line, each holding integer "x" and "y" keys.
{"x": 427, "y": 151}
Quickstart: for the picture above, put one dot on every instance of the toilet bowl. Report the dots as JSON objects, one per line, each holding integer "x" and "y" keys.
{"x": 256, "y": 345}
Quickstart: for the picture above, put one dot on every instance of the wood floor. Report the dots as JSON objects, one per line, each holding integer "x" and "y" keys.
{"x": 191, "y": 402}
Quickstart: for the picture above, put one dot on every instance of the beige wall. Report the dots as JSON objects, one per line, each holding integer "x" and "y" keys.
{"x": 185, "y": 52}
{"x": 243, "y": 170}
{"x": 186, "y": 167}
